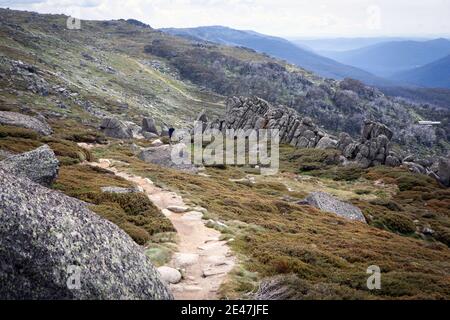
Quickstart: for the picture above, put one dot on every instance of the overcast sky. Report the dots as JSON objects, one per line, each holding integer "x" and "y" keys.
{"x": 289, "y": 18}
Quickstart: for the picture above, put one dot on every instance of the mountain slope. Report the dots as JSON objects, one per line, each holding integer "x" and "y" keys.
{"x": 435, "y": 74}
{"x": 385, "y": 59}
{"x": 279, "y": 48}
{"x": 118, "y": 67}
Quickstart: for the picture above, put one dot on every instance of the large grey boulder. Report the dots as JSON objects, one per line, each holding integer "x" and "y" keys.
{"x": 24, "y": 121}
{"x": 116, "y": 128}
{"x": 162, "y": 156}
{"x": 39, "y": 165}
{"x": 328, "y": 203}
{"x": 326, "y": 143}
{"x": 136, "y": 131}
{"x": 148, "y": 125}
{"x": 53, "y": 247}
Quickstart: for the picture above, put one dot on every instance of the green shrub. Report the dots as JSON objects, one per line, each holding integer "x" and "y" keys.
{"x": 398, "y": 223}
{"x": 350, "y": 173}
{"x": 17, "y": 132}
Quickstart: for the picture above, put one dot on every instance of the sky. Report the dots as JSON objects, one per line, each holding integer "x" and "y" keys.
{"x": 288, "y": 18}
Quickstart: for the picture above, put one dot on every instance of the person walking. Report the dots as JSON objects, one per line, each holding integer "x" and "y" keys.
{"x": 171, "y": 131}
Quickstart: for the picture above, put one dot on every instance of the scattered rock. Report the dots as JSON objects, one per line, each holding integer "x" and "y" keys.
{"x": 157, "y": 143}
{"x": 24, "y": 121}
{"x": 149, "y": 135}
{"x": 134, "y": 129}
{"x": 182, "y": 260}
{"x": 178, "y": 209}
{"x": 326, "y": 143}
{"x": 121, "y": 190}
{"x": 116, "y": 128}
{"x": 164, "y": 131}
{"x": 148, "y": 125}
{"x": 39, "y": 165}
{"x": 414, "y": 167}
{"x": 47, "y": 237}
{"x": 169, "y": 275}
{"x": 135, "y": 149}
{"x": 162, "y": 156}
{"x": 328, "y": 203}
{"x": 211, "y": 272}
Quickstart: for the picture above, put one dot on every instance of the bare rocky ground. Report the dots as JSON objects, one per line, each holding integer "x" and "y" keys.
{"x": 204, "y": 260}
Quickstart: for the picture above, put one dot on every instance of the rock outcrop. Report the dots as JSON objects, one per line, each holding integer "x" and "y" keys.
{"x": 53, "y": 247}
{"x": 24, "y": 121}
{"x": 256, "y": 113}
{"x": 116, "y": 128}
{"x": 328, "y": 203}
{"x": 148, "y": 125}
{"x": 39, "y": 165}
{"x": 372, "y": 149}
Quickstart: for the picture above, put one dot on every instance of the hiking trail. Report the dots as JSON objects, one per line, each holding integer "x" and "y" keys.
{"x": 205, "y": 261}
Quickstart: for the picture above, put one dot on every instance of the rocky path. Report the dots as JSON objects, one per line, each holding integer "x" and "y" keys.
{"x": 203, "y": 260}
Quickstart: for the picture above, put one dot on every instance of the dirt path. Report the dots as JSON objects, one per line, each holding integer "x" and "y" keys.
{"x": 204, "y": 260}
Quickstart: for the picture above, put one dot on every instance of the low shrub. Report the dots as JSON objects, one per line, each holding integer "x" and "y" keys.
{"x": 17, "y": 132}
{"x": 398, "y": 223}
{"x": 132, "y": 212}
{"x": 336, "y": 173}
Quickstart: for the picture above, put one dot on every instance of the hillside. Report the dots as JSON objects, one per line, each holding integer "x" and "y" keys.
{"x": 87, "y": 176}
{"x": 385, "y": 59}
{"x": 278, "y": 48}
{"x": 433, "y": 75}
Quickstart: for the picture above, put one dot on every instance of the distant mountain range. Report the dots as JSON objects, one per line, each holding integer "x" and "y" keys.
{"x": 434, "y": 75}
{"x": 385, "y": 62}
{"x": 388, "y": 58}
{"x": 344, "y": 44}
{"x": 279, "y": 48}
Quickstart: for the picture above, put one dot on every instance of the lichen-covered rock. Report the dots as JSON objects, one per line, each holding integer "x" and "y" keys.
{"x": 162, "y": 156}
{"x": 39, "y": 165}
{"x": 24, "y": 121}
{"x": 116, "y": 128}
{"x": 255, "y": 113}
{"x": 49, "y": 241}
{"x": 326, "y": 143}
{"x": 328, "y": 203}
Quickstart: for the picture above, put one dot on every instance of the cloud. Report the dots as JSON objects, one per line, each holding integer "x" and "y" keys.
{"x": 282, "y": 17}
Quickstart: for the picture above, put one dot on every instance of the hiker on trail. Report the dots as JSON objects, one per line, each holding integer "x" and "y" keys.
{"x": 171, "y": 131}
